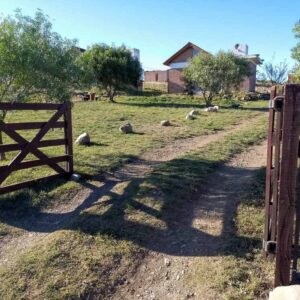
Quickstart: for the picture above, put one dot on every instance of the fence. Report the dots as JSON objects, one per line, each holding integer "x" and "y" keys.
{"x": 282, "y": 219}
{"x": 25, "y": 147}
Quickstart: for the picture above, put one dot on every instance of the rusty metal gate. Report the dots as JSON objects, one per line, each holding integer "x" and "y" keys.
{"x": 281, "y": 232}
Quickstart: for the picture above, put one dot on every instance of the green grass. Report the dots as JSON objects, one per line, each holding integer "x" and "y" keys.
{"x": 93, "y": 253}
{"x": 110, "y": 148}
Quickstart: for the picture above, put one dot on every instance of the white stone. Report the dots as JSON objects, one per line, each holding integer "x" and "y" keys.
{"x": 167, "y": 262}
{"x": 212, "y": 108}
{"x": 190, "y": 117}
{"x": 126, "y": 128}
{"x": 75, "y": 177}
{"x": 291, "y": 292}
{"x": 194, "y": 112}
{"x": 83, "y": 139}
{"x": 165, "y": 123}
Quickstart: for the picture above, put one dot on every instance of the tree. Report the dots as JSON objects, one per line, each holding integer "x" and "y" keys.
{"x": 295, "y": 76}
{"x": 231, "y": 71}
{"x": 34, "y": 61}
{"x": 276, "y": 74}
{"x": 296, "y": 49}
{"x": 296, "y": 53}
{"x": 110, "y": 68}
{"x": 216, "y": 74}
{"x": 200, "y": 72}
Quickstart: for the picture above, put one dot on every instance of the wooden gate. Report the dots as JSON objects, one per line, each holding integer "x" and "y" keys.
{"x": 25, "y": 147}
{"x": 281, "y": 233}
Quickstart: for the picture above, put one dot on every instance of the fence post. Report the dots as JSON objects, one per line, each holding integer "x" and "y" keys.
{"x": 268, "y": 193}
{"x": 69, "y": 137}
{"x": 287, "y": 184}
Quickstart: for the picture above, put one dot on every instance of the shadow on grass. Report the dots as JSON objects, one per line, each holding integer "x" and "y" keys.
{"x": 97, "y": 144}
{"x": 28, "y": 202}
{"x": 169, "y": 104}
{"x": 162, "y": 104}
{"x": 170, "y": 195}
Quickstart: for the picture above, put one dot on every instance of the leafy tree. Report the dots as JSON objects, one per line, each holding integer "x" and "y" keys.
{"x": 217, "y": 74}
{"x": 276, "y": 74}
{"x": 296, "y": 75}
{"x": 231, "y": 71}
{"x": 200, "y": 72}
{"x": 110, "y": 68}
{"x": 35, "y": 61}
{"x": 296, "y": 49}
{"x": 296, "y": 53}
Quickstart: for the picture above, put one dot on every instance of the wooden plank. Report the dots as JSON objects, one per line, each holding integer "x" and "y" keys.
{"x": 36, "y": 163}
{"x": 51, "y": 143}
{"x": 287, "y": 184}
{"x": 274, "y": 210}
{"x": 269, "y": 169}
{"x": 27, "y": 184}
{"x": 69, "y": 137}
{"x": 29, "y": 125}
{"x": 32, "y": 145}
{"x": 41, "y": 144}
{"x": 29, "y": 106}
{"x": 14, "y": 135}
{"x": 295, "y": 253}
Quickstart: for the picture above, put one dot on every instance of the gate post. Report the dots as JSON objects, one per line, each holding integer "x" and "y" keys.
{"x": 269, "y": 167}
{"x": 69, "y": 137}
{"x": 287, "y": 183}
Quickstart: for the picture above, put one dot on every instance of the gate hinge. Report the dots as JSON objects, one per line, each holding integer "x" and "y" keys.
{"x": 269, "y": 247}
{"x": 276, "y": 103}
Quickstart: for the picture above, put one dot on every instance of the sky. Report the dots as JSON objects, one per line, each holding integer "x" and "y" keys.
{"x": 158, "y": 28}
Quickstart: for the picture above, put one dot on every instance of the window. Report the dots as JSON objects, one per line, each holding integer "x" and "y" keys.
{"x": 195, "y": 52}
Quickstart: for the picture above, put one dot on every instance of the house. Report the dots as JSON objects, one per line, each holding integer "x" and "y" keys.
{"x": 180, "y": 60}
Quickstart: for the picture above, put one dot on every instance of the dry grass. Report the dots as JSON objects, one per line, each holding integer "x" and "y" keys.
{"x": 92, "y": 255}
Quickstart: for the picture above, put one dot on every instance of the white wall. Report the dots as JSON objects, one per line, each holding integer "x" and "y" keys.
{"x": 179, "y": 65}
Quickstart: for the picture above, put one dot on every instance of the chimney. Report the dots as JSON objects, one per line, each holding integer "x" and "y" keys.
{"x": 240, "y": 49}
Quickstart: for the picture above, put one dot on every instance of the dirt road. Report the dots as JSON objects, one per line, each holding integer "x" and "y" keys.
{"x": 165, "y": 277}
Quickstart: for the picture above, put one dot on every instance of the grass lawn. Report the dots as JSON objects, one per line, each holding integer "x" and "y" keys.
{"x": 110, "y": 148}
{"x": 90, "y": 256}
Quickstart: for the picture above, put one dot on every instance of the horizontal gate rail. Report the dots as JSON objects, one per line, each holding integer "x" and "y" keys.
{"x": 30, "y": 125}
{"x": 32, "y": 146}
{"x": 30, "y": 106}
{"x": 42, "y": 144}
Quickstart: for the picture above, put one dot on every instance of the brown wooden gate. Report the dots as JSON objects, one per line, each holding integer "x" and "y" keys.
{"x": 25, "y": 147}
{"x": 281, "y": 233}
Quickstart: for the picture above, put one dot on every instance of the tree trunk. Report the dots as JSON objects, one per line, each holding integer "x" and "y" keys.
{"x": 207, "y": 98}
{"x": 111, "y": 97}
{"x": 2, "y": 155}
{"x": 110, "y": 94}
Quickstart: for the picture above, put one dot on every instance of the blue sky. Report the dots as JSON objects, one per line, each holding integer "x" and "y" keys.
{"x": 160, "y": 27}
